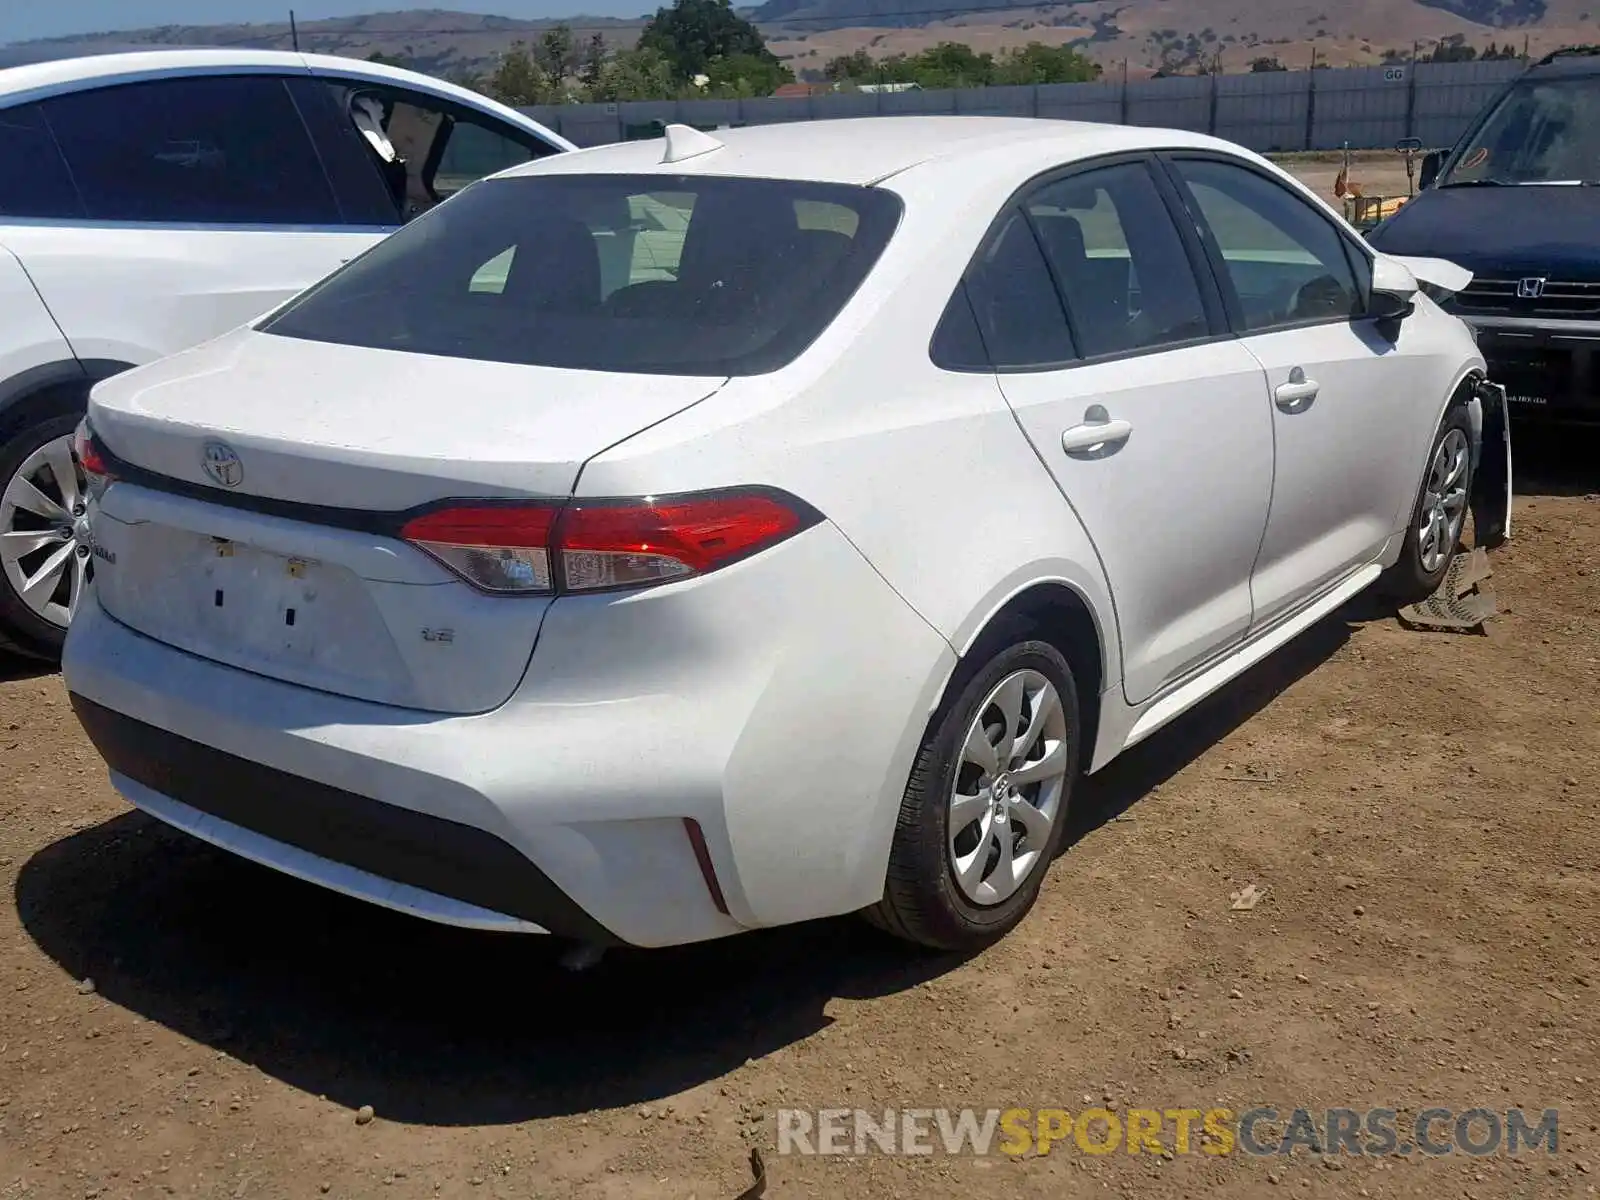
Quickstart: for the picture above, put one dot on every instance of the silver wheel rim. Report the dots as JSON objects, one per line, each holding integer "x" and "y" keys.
{"x": 1444, "y": 502}
{"x": 1009, "y": 782}
{"x": 44, "y": 534}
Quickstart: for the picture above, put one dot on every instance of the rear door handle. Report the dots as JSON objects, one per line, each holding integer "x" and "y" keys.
{"x": 1296, "y": 395}
{"x": 1098, "y": 434}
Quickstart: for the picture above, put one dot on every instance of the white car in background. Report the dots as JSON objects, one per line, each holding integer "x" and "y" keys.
{"x": 496, "y": 583}
{"x": 150, "y": 201}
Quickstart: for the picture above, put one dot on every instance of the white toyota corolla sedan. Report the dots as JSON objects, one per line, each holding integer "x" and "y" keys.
{"x": 690, "y": 536}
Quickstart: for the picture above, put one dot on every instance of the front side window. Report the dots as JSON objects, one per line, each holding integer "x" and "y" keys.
{"x": 1121, "y": 265}
{"x": 1542, "y": 131}
{"x": 209, "y": 149}
{"x": 33, "y": 180}
{"x": 1285, "y": 260}
{"x": 686, "y": 275}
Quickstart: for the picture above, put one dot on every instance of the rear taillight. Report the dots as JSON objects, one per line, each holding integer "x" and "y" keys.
{"x": 499, "y": 548}
{"x": 590, "y": 546}
{"x": 91, "y": 457}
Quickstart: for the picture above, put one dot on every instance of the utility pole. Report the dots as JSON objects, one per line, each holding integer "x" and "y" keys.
{"x": 1311, "y": 98}
{"x": 294, "y": 32}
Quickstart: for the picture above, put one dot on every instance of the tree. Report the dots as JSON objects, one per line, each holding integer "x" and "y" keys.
{"x": 387, "y": 60}
{"x": 850, "y": 67}
{"x": 593, "y": 63}
{"x": 693, "y": 32}
{"x": 638, "y": 74}
{"x": 1039, "y": 63}
{"x": 745, "y": 75}
{"x": 1452, "y": 49}
{"x": 519, "y": 80}
{"x": 556, "y": 54}
{"x": 1267, "y": 62}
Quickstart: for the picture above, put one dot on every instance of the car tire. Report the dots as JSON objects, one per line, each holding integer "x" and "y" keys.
{"x": 1438, "y": 517}
{"x": 23, "y": 628}
{"x": 928, "y": 898}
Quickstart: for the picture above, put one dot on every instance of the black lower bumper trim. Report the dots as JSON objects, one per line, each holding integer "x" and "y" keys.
{"x": 437, "y": 855}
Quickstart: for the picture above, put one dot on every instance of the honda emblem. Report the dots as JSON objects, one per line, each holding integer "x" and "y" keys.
{"x": 1530, "y": 288}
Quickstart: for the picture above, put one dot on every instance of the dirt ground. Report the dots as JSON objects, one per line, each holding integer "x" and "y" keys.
{"x": 1420, "y": 809}
{"x": 1375, "y": 172}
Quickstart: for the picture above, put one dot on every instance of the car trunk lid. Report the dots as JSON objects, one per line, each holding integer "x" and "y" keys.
{"x": 256, "y": 518}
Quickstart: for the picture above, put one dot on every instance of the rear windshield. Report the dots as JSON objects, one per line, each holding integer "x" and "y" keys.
{"x": 653, "y": 274}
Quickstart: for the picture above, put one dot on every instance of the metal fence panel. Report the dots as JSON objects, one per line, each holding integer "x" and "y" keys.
{"x": 996, "y": 101}
{"x": 1081, "y": 101}
{"x": 1181, "y": 102}
{"x": 1265, "y": 111}
{"x": 915, "y": 103}
{"x": 766, "y": 110}
{"x": 851, "y": 104}
{"x": 1368, "y": 107}
{"x": 1365, "y": 107}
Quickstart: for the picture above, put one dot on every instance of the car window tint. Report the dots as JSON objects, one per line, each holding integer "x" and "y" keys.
{"x": 548, "y": 270}
{"x": 957, "y": 345}
{"x": 364, "y": 196}
{"x": 426, "y": 149}
{"x": 1015, "y": 302}
{"x": 1110, "y": 240}
{"x": 34, "y": 181}
{"x": 472, "y": 150}
{"x": 1285, "y": 259}
{"x": 229, "y": 150}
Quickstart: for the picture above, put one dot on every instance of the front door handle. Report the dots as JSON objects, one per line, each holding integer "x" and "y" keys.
{"x": 1296, "y": 395}
{"x": 1097, "y": 436}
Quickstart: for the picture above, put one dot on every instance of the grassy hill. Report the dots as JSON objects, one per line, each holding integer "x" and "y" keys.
{"x": 1142, "y": 33}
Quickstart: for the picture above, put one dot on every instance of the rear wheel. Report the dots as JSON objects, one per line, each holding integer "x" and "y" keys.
{"x": 984, "y": 811}
{"x": 1439, "y": 514}
{"x": 44, "y": 538}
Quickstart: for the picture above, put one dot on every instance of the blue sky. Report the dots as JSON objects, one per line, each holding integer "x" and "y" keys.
{"x": 20, "y": 19}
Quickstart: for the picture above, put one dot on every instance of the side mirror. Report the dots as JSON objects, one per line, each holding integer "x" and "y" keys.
{"x": 1394, "y": 290}
{"x": 1431, "y": 162}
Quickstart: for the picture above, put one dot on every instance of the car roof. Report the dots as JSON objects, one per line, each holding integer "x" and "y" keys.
{"x": 55, "y": 73}
{"x": 36, "y": 80}
{"x": 866, "y": 150}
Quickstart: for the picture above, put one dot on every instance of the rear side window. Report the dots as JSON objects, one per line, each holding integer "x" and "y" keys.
{"x": 213, "y": 150}
{"x": 652, "y": 274}
{"x": 34, "y": 181}
{"x": 421, "y": 149}
{"x": 1119, "y": 260}
{"x": 1015, "y": 302}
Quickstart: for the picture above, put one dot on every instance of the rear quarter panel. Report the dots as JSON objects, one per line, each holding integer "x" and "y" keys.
{"x": 31, "y": 343}
{"x": 926, "y": 471}
{"x": 133, "y": 293}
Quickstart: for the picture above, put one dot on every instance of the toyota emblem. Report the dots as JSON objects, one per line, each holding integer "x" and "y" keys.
{"x": 221, "y": 464}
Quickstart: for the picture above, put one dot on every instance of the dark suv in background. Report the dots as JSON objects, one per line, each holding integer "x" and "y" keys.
{"x": 1517, "y": 202}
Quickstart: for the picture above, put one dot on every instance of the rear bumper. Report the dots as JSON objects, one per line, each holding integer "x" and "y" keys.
{"x": 447, "y": 871}
{"x": 777, "y": 704}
